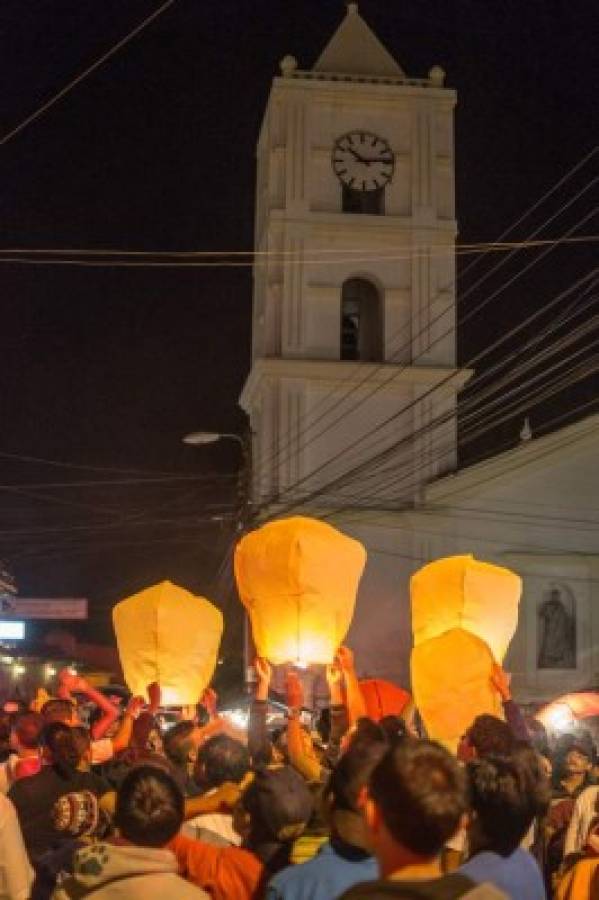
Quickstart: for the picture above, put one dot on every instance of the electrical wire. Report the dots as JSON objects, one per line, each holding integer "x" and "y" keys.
{"x": 357, "y": 498}
{"x": 475, "y": 398}
{"x": 201, "y": 259}
{"x": 567, "y": 441}
{"x": 275, "y": 458}
{"x": 418, "y": 400}
{"x": 467, "y": 417}
{"x": 59, "y": 464}
{"x": 385, "y": 383}
{"x": 583, "y": 579}
{"x": 126, "y": 482}
{"x": 79, "y": 78}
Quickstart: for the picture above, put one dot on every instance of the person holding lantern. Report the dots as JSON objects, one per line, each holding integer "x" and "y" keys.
{"x": 346, "y": 857}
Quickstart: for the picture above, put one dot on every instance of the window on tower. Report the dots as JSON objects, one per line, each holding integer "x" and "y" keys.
{"x": 366, "y": 203}
{"x": 361, "y": 321}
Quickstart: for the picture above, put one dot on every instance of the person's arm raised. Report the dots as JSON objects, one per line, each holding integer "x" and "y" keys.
{"x": 356, "y": 707}
{"x": 70, "y": 683}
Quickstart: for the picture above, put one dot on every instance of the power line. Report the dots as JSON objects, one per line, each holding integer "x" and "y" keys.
{"x": 408, "y": 346}
{"x": 212, "y": 258}
{"x": 471, "y": 433}
{"x": 393, "y": 376}
{"x": 79, "y": 78}
{"x": 514, "y": 372}
{"x": 170, "y": 479}
{"x": 396, "y": 481}
{"x": 61, "y": 464}
{"x": 394, "y": 417}
{"x": 379, "y": 551}
{"x": 566, "y": 441}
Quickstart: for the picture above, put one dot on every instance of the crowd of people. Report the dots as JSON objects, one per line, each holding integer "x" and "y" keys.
{"x": 344, "y": 806}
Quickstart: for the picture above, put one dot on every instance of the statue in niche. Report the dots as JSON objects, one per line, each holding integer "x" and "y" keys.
{"x": 557, "y": 629}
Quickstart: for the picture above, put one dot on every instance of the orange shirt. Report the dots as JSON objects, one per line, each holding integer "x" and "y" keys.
{"x": 227, "y": 873}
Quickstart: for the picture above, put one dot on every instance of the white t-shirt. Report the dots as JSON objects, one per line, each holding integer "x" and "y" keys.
{"x": 219, "y": 825}
{"x": 585, "y": 810}
{"x": 16, "y": 874}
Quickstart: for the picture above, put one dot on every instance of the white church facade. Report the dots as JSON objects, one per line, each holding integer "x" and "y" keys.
{"x": 353, "y": 388}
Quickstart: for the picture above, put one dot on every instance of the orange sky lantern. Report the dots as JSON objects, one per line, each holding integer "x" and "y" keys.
{"x": 464, "y": 615}
{"x": 298, "y": 580}
{"x": 166, "y": 634}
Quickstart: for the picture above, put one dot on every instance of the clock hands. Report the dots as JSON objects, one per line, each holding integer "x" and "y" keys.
{"x": 357, "y": 156}
{"x": 367, "y": 162}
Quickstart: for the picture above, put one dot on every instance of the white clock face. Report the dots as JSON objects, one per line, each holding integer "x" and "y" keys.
{"x": 362, "y": 161}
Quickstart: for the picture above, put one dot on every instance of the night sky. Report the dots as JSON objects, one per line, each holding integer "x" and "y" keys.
{"x": 108, "y": 367}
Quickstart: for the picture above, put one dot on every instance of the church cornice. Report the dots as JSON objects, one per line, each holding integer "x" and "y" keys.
{"x": 388, "y": 89}
{"x": 337, "y": 223}
{"x": 344, "y": 375}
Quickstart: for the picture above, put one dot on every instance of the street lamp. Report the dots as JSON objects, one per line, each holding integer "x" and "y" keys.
{"x": 199, "y": 438}
{"x": 202, "y": 438}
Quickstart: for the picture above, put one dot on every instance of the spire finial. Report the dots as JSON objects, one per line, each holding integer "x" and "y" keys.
{"x": 526, "y": 432}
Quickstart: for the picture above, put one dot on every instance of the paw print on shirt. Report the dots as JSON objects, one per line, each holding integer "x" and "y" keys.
{"x": 92, "y": 860}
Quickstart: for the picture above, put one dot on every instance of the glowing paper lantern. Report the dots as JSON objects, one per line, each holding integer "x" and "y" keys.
{"x": 383, "y": 698}
{"x": 464, "y": 615}
{"x": 298, "y": 580}
{"x": 165, "y": 634}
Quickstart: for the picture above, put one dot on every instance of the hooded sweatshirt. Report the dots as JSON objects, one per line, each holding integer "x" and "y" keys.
{"x": 116, "y": 871}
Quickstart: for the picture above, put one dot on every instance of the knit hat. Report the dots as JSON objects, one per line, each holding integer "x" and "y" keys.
{"x": 279, "y": 803}
{"x": 77, "y": 813}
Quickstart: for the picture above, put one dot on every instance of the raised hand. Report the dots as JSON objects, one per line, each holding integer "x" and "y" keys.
{"x": 134, "y": 707}
{"x": 345, "y": 659}
{"x": 500, "y": 680}
{"x": 209, "y": 699}
{"x": 263, "y": 669}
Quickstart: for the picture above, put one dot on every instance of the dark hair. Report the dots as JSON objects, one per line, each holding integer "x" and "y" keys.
{"x": 177, "y": 742}
{"x": 538, "y": 736}
{"x": 352, "y": 772}
{"x": 581, "y": 742}
{"x": 28, "y": 729}
{"x": 490, "y": 736}
{"x": 63, "y": 747}
{"x": 421, "y": 793}
{"x": 506, "y": 794}
{"x": 82, "y": 738}
{"x": 142, "y": 729}
{"x": 394, "y": 728}
{"x": 149, "y": 807}
{"x": 220, "y": 759}
{"x": 367, "y": 731}
{"x": 57, "y": 710}
{"x": 5, "y": 725}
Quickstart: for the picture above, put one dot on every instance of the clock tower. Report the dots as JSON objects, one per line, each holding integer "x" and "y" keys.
{"x": 352, "y": 390}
